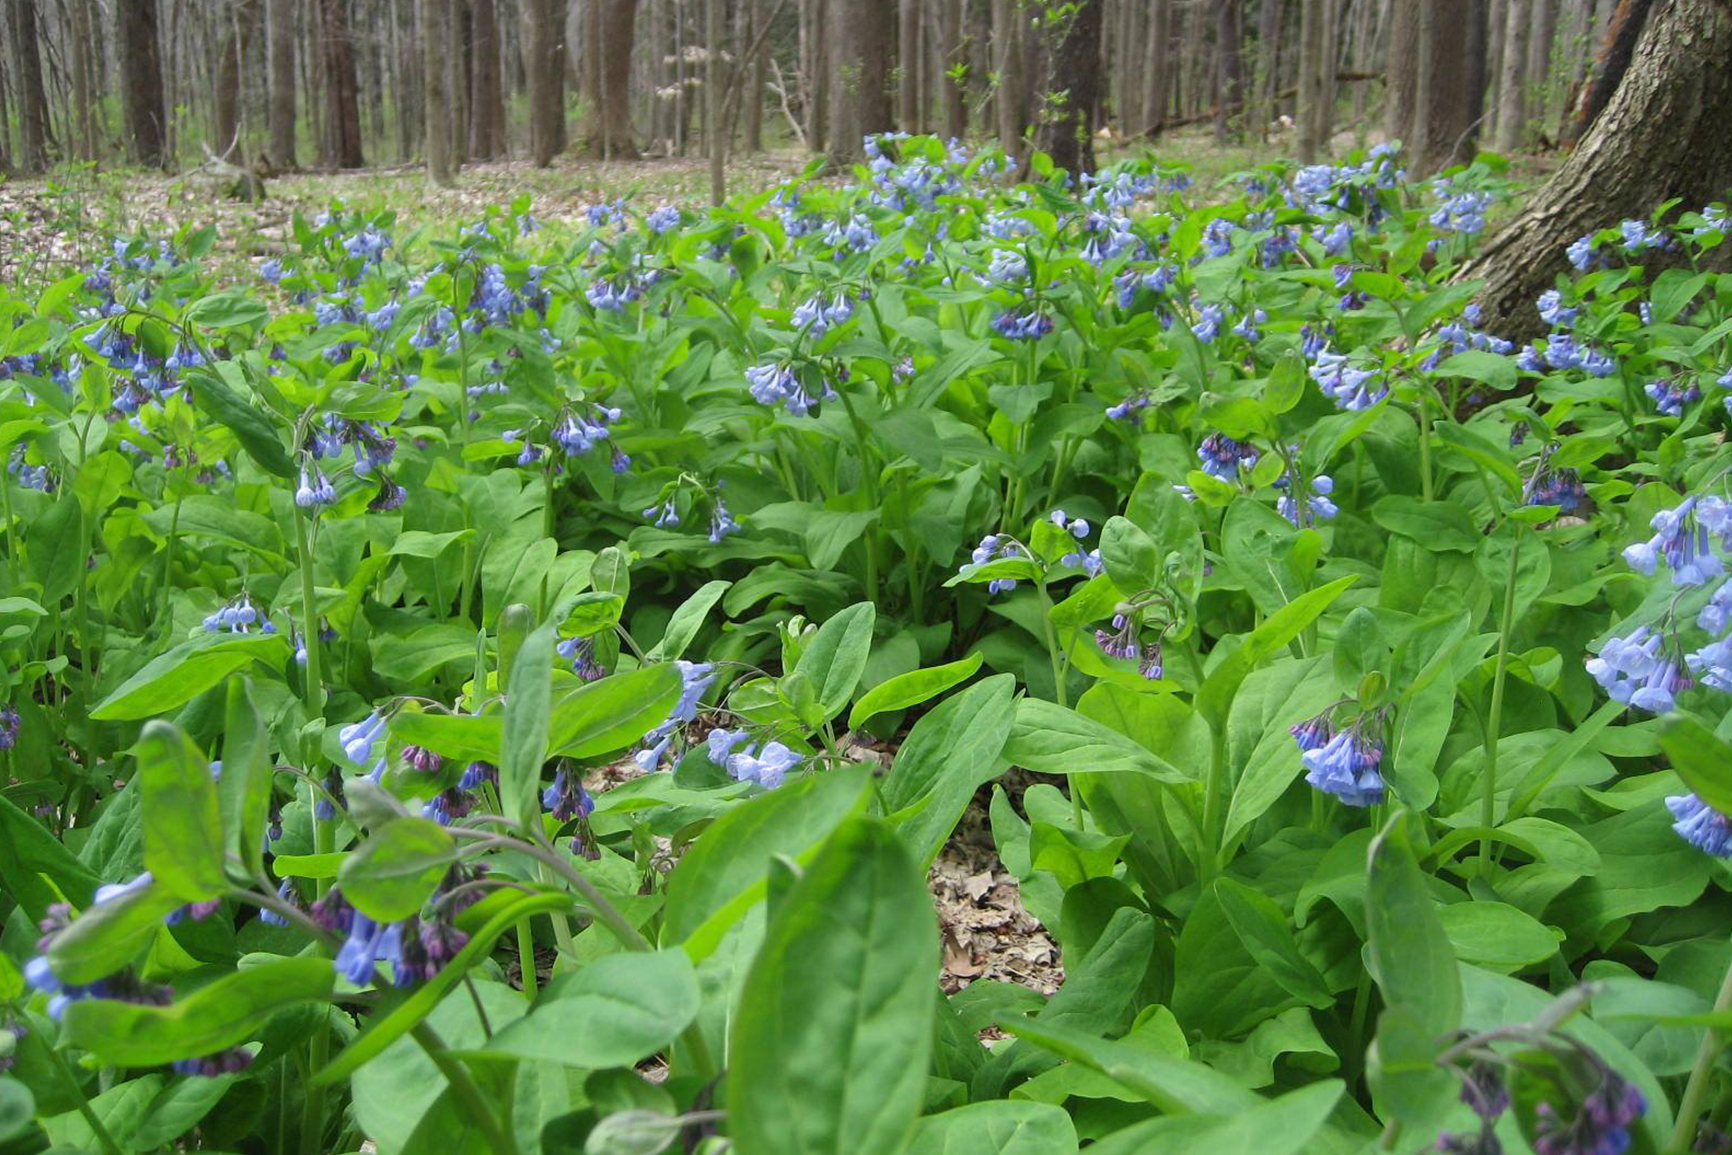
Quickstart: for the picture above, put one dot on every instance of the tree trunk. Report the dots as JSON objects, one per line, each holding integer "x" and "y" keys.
{"x": 1401, "y": 72}
{"x": 1442, "y": 128}
{"x": 715, "y": 131}
{"x": 544, "y": 28}
{"x": 1512, "y": 120}
{"x": 607, "y": 84}
{"x": 951, "y": 53}
{"x": 1316, "y": 76}
{"x": 34, "y": 136}
{"x": 1626, "y": 164}
{"x": 1268, "y": 63}
{"x": 1544, "y": 32}
{"x": 1073, "y": 81}
{"x": 1230, "y": 91}
{"x": 342, "y": 99}
{"x": 280, "y": 17}
{"x": 859, "y": 77}
{"x": 141, "y": 82}
{"x": 237, "y": 40}
{"x": 1476, "y": 73}
{"x": 487, "y": 97}
{"x": 435, "y": 100}
{"x": 1008, "y": 62}
{"x": 1623, "y": 29}
{"x": 908, "y": 66}
{"x": 756, "y": 76}
{"x": 83, "y": 80}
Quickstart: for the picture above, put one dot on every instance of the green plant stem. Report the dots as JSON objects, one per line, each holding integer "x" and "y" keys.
{"x": 1424, "y": 447}
{"x": 315, "y": 691}
{"x": 12, "y": 554}
{"x": 1690, "y": 1106}
{"x": 526, "y": 957}
{"x": 1214, "y": 803}
{"x": 97, "y": 1127}
{"x": 319, "y": 1046}
{"x": 1494, "y": 723}
{"x": 499, "y": 1139}
{"x": 1053, "y": 650}
{"x": 162, "y": 613}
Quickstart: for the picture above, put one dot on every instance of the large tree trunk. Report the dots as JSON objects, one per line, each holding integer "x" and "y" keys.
{"x": 281, "y": 46}
{"x": 1230, "y": 86}
{"x": 1010, "y": 64}
{"x": 1268, "y": 63}
{"x": 84, "y": 81}
{"x": 608, "y": 84}
{"x": 1512, "y": 94}
{"x": 435, "y": 34}
{"x": 908, "y": 66}
{"x": 1540, "y": 43}
{"x": 34, "y": 136}
{"x": 487, "y": 97}
{"x": 1662, "y": 136}
{"x": 1623, "y": 28}
{"x": 1476, "y": 70}
{"x": 1441, "y": 127}
{"x": 1073, "y": 82}
{"x": 544, "y": 32}
{"x": 1401, "y": 72}
{"x": 342, "y": 96}
{"x": 952, "y": 52}
{"x": 1316, "y": 78}
{"x": 237, "y": 39}
{"x": 859, "y": 77}
{"x": 141, "y": 82}
{"x": 756, "y": 76}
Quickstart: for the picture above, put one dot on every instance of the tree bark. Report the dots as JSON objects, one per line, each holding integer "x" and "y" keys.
{"x": 237, "y": 39}
{"x": 1316, "y": 70}
{"x": 342, "y": 99}
{"x": 607, "y": 83}
{"x": 1626, "y": 163}
{"x": 34, "y": 135}
{"x": 1230, "y": 90}
{"x": 1623, "y": 29}
{"x": 1442, "y": 129}
{"x": 1008, "y": 63}
{"x": 859, "y": 77}
{"x": 1476, "y": 73}
{"x": 908, "y": 65}
{"x": 487, "y": 97}
{"x": 1541, "y": 37}
{"x": 84, "y": 80}
{"x": 435, "y": 100}
{"x": 1512, "y": 120}
{"x": 1073, "y": 81}
{"x": 544, "y": 30}
{"x": 1268, "y": 63}
{"x": 141, "y": 81}
{"x": 280, "y": 17}
{"x": 756, "y": 76}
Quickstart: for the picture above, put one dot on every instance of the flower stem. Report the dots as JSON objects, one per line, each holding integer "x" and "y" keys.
{"x": 463, "y": 1084}
{"x": 1494, "y": 723}
{"x": 1214, "y": 802}
{"x": 1690, "y": 1106}
{"x": 97, "y": 1127}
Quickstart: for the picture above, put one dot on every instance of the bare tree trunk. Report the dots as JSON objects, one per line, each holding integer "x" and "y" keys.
{"x": 1316, "y": 75}
{"x": 281, "y": 48}
{"x": 1623, "y": 29}
{"x": 908, "y": 66}
{"x": 343, "y": 120}
{"x": 1475, "y": 74}
{"x": 544, "y": 28}
{"x": 859, "y": 78}
{"x": 1401, "y": 72}
{"x": 952, "y": 54}
{"x": 1230, "y": 91}
{"x": 1545, "y": 27}
{"x": 141, "y": 82}
{"x": 1073, "y": 79}
{"x": 34, "y": 136}
{"x": 715, "y": 132}
{"x": 1008, "y": 62}
{"x": 1268, "y": 63}
{"x": 1441, "y": 127}
{"x": 436, "y": 101}
{"x": 612, "y": 29}
{"x": 83, "y": 80}
{"x": 755, "y": 77}
{"x": 1624, "y": 166}
{"x": 1512, "y": 120}
{"x": 487, "y": 100}
{"x": 237, "y": 39}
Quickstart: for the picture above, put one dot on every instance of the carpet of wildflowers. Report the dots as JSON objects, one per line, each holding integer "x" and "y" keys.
{"x": 1365, "y": 674}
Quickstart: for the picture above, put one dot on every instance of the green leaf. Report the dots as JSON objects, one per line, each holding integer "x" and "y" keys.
{"x": 1494, "y": 369}
{"x": 460, "y": 737}
{"x": 183, "y": 831}
{"x": 605, "y": 717}
{"x": 833, "y": 1036}
{"x": 616, "y": 1011}
{"x": 1286, "y": 384}
{"x": 390, "y": 875}
{"x": 251, "y": 428}
{"x": 109, "y": 935}
{"x": 1215, "y": 698}
{"x": 836, "y": 656}
{"x": 1052, "y": 739}
{"x": 722, "y": 875}
{"x": 1497, "y": 936}
{"x": 1176, "y": 1086}
{"x": 946, "y": 756}
{"x": 1133, "y": 562}
{"x": 1702, "y": 760}
{"x": 912, "y": 688}
{"x": 18, "y": 1109}
{"x": 244, "y": 790}
{"x": 219, "y": 1014}
{"x": 55, "y": 542}
{"x": 1437, "y": 525}
{"x": 175, "y": 678}
{"x": 1480, "y": 451}
{"x": 999, "y": 1127}
{"x": 524, "y": 740}
{"x": 36, "y": 868}
{"x": 1287, "y": 1125}
{"x": 1262, "y": 928}
{"x": 687, "y": 620}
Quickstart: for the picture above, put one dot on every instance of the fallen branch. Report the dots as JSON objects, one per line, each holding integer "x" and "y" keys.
{"x": 1241, "y": 105}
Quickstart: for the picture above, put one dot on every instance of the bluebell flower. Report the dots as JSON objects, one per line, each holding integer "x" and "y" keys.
{"x": 1029, "y": 326}
{"x": 1583, "y": 254}
{"x": 357, "y": 738}
{"x": 566, "y": 799}
{"x": 767, "y": 767}
{"x": 775, "y": 383}
{"x": 1640, "y": 236}
{"x": 10, "y": 725}
{"x": 1349, "y": 386}
{"x": 1007, "y": 266}
{"x": 1224, "y": 457}
{"x": 1130, "y": 409}
{"x": 1560, "y": 487}
{"x": 1217, "y": 237}
{"x": 1671, "y": 394}
{"x": 1553, "y": 311}
{"x": 1090, "y": 562}
{"x": 1601, "y": 1125}
{"x": 1683, "y": 536}
{"x": 1716, "y": 615}
{"x": 1336, "y": 240}
{"x": 1347, "y": 766}
{"x": 1701, "y": 825}
{"x": 1209, "y": 319}
{"x": 580, "y": 652}
{"x": 721, "y": 743}
{"x": 1712, "y": 664}
{"x": 722, "y": 522}
{"x": 663, "y": 220}
{"x": 1625, "y": 664}
{"x": 1317, "y": 505}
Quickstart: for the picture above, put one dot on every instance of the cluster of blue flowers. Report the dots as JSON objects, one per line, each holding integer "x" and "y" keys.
{"x": 1124, "y": 642}
{"x": 1223, "y": 457}
{"x": 239, "y": 616}
{"x": 767, "y": 764}
{"x": 695, "y": 678}
{"x": 998, "y": 546}
{"x": 775, "y": 383}
{"x": 1342, "y": 762}
{"x": 1351, "y": 386}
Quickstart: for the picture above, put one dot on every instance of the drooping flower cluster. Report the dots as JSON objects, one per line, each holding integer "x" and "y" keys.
{"x": 1026, "y": 325}
{"x": 240, "y": 616}
{"x": 1350, "y": 386}
{"x": 1317, "y": 505}
{"x": 996, "y": 546}
{"x": 1342, "y": 762}
{"x": 695, "y": 678}
{"x": 1123, "y": 642}
{"x": 1223, "y": 457}
{"x": 775, "y": 383}
{"x": 767, "y": 764}
{"x": 1601, "y": 1124}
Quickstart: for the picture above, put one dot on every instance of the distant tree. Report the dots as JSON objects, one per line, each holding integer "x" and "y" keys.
{"x": 1442, "y": 131}
{"x": 487, "y": 94}
{"x": 1317, "y": 76}
{"x": 1009, "y": 61}
{"x": 860, "y": 39}
{"x": 280, "y": 47}
{"x": 436, "y": 101}
{"x": 1269, "y": 14}
{"x": 1229, "y": 67}
{"x": 141, "y": 82}
{"x": 33, "y": 131}
{"x": 1512, "y": 95}
{"x": 84, "y": 79}
{"x": 607, "y": 85}
{"x": 1662, "y": 135}
{"x": 1401, "y": 72}
{"x": 756, "y": 76}
{"x": 1073, "y": 45}
{"x": 342, "y": 95}
{"x": 242, "y": 30}
{"x": 952, "y": 53}
{"x": 545, "y": 65}
{"x": 908, "y": 21}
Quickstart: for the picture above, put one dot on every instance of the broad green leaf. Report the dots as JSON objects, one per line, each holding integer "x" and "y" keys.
{"x": 244, "y": 790}
{"x": 946, "y": 756}
{"x": 1437, "y": 525}
{"x": 18, "y": 1109}
{"x": 175, "y": 678}
{"x": 36, "y": 868}
{"x": 1175, "y": 1085}
{"x": 219, "y": 1014}
{"x": 523, "y": 746}
{"x": 1263, "y": 929}
{"x": 183, "y": 831}
{"x": 1703, "y": 761}
{"x": 1287, "y": 1125}
{"x": 614, "y": 1012}
{"x": 460, "y": 737}
{"x": 256, "y": 432}
{"x": 391, "y": 874}
{"x": 1132, "y": 559}
{"x": 833, "y": 1036}
{"x": 836, "y": 657}
{"x": 1285, "y": 624}
{"x": 911, "y": 689}
{"x": 607, "y": 716}
{"x": 1497, "y": 936}
{"x": 687, "y": 620}
{"x": 1000, "y": 1127}
{"x": 1053, "y": 739}
{"x": 108, "y": 935}
{"x": 722, "y": 875}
